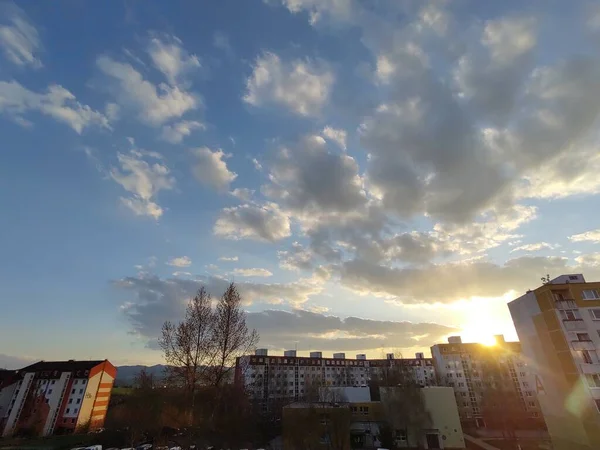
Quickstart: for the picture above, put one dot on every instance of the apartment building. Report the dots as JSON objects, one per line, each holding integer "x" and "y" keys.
{"x": 268, "y": 377}
{"x": 55, "y": 397}
{"x": 558, "y": 325}
{"x": 493, "y": 384}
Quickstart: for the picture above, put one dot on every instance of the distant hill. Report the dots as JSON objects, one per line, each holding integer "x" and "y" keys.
{"x": 126, "y": 374}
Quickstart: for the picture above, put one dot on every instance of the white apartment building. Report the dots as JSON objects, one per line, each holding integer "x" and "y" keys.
{"x": 559, "y": 328}
{"x": 473, "y": 369}
{"x": 268, "y": 377}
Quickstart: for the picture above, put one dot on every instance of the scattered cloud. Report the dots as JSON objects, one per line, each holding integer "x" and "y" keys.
{"x": 221, "y": 42}
{"x": 243, "y": 194}
{"x": 170, "y": 58}
{"x": 588, "y": 236}
{"x": 144, "y": 180}
{"x": 19, "y": 39}
{"x": 254, "y": 272}
{"x": 180, "y": 261}
{"x": 210, "y": 168}
{"x": 176, "y": 132}
{"x": 182, "y": 274}
{"x": 533, "y": 247}
{"x": 228, "y": 258}
{"x": 335, "y": 135}
{"x": 57, "y": 102}
{"x": 302, "y": 86}
{"x": 249, "y": 221}
{"x": 154, "y": 104}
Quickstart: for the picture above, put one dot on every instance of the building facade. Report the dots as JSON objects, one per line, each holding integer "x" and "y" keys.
{"x": 55, "y": 397}
{"x": 558, "y": 325}
{"x": 358, "y": 424}
{"x": 493, "y": 384}
{"x": 289, "y": 377}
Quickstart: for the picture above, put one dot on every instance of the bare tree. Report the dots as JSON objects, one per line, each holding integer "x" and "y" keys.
{"x": 188, "y": 346}
{"x": 230, "y": 334}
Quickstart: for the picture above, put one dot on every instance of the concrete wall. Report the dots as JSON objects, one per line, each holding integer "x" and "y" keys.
{"x": 441, "y": 404}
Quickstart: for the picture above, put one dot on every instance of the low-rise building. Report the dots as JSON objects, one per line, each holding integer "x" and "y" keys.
{"x": 359, "y": 424}
{"x": 55, "y": 397}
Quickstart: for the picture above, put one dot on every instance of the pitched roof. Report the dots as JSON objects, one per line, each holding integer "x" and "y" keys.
{"x": 61, "y": 366}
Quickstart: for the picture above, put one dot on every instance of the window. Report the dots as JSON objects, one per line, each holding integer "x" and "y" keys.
{"x": 52, "y": 382}
{"x": 573, "y": 277}
{"x": 73, "y": 391}
{"x": 67, "y": 411}
{"x": 78, "y": 401}
{"x": 75, "y": 410}
{"x": 72, "y": 420}
{"x": 589, "y": 356}
{"x": 522, "y": 374}
{"x": 81, "y": 391}
{"x": 529, "y": 393}
{"x": 534, "y": 414}
{"x": 531, "y": 403}
{"x": 401, "y": 435}
{"x": 464, "y": 394}
{"x": 75, "y": 382}
{"x": 583, "y": 337}
{"x": 525, "y": 384}
{"x": 568, "y": 314}
{"x": 595, "y": 313}
{"x": 590, "y": 294}
{"x": 50, "y": 390}
{"x": 70, "y": 401}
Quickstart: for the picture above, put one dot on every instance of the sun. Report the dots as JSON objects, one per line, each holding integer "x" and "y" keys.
{"x": 488, "y": 341}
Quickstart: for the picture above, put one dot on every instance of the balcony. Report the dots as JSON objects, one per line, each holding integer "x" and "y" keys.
{"x": 574, "y": 324}
{"x": 565, "y": 303}
{"x": 583, "y": 345}
{"x": 589, "y": 369}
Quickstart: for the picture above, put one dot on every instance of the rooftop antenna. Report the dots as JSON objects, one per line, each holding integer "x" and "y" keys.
{"x": 546, "y": 279}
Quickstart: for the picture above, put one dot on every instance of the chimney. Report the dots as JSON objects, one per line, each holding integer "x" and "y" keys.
{"x": 261, "y": 352}
{"x": 316, "y": 354}
{"x": 339, "y": 356}
{"x": 454, "y": 340}
{"x": 361, "y": 356}
{"x": 289, "y": 353}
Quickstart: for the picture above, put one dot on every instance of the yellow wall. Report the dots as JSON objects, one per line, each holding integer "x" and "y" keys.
{"x": 85, "y": 412}
{"x": 441, "y": 404}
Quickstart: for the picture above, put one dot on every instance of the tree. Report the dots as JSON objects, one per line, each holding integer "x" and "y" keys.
{"x": 402, "y": 400}
{"x": 188, "y": 346}
{"x": 230, "y": 334}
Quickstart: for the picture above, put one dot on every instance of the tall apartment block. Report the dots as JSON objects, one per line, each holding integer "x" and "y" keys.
{"x": 287, "y": 377}
{"x": 491, "y": 383}
{"x": 559, "y": 328}
{"x": 55, "y": 397}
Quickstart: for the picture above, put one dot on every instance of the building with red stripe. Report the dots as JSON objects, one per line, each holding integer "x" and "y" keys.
{"x": 55, "y": 397}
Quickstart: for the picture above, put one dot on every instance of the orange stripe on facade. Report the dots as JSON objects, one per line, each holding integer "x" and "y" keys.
{"x": 101, "y": 403}
{"x": 105, "y": 385}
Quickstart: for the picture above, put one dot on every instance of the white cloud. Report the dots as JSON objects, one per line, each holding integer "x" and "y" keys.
{"x": 534, "y": 247}
{"x": 180, "y": 261}
{"x": 588, "y": 236}
{"x": 221, "y": 41}
{"x": 182, "y": 274}
{"x": 259, "y": 222}
{"x": 171, "y": 58}
{"x": 228, "y": 258}
{"x": 57, "y": 102}
{"x": 19, "y": 39}
{"x": 175, "y": 133}
{"x": 301, "y": 85}
{"x": 144, "y": 181}
{"x": 253, "y": 272}
{"x": 153, "y": 104}
{"x": 509, "y": 38}
{"x": 336, "y": 135}
{"x": 244, "y": 194}
{"x": 211, "y": 170}
{"x": 591, "y": 259}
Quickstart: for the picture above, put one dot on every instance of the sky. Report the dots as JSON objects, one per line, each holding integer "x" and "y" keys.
{"x": 373, "y": 175}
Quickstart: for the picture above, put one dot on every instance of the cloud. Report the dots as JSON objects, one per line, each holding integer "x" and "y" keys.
{"x": 296, "y": 258}
{"x": 588, "y": 236}
{"x": 170, "y": 58}
{"x": 591, "y": 260}
{"x": 154, "y": 104}
{"x": 307, "y": 178}
{"x": 182, "y": 274}
{"x": 181, "y": 261}
{"x": 302, "y": 86}
{"x": 533, "y": 247}
{"x": 454, "y": 281}
{"x": 509, "y": 38}
{"x": 144, "y": 181}
{"x": 337, "y": 136}
{"x": 254, "y": 272}
{"x": 57, "y": 102}
{"x": 176, "y": 132}
{"x": 243, "y": 194}
{"x": 210, "y": 168}
{"x": 305, "y": 330}
{"x": 155, "y": 299}
{"x": 19, "y": 39}
{"x": 249, "y": 221}
{"x": 221, "y": 42}
{"x": 228, "y": 258}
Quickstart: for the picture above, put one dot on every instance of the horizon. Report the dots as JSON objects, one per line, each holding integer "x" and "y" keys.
{"x": 373, "y": 177}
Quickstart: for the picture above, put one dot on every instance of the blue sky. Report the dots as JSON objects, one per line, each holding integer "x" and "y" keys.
{"x": 374, "y": 175}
